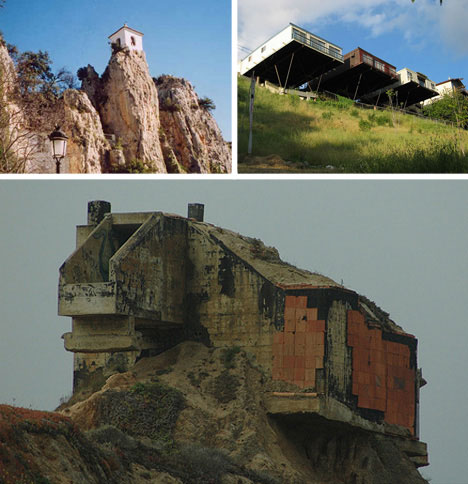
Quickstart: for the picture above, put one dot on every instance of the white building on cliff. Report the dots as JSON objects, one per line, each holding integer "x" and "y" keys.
{"x": 127, "y": 37}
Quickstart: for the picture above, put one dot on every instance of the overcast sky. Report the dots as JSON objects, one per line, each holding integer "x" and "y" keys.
{"x": 422, "y": 36}
{"x": 403, "y": 244}
{"x": 188, "y": 39}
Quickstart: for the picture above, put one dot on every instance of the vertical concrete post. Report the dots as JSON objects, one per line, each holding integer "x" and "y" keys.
{"x": 96, "y": 211}
{"x": 196, "y": 211}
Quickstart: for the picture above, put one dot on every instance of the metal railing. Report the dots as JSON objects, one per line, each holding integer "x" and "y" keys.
{"x": 300, "y": 37}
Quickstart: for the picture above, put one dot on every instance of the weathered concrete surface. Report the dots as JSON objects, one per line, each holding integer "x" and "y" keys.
{"x": 172, "y": 279}
{"x": 87, "y": 299}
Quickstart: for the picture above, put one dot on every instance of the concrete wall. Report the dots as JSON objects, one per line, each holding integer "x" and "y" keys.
{"x": 227, "y": 302}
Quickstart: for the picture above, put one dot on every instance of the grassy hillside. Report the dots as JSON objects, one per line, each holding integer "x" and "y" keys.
{"x": 292, "y": 135}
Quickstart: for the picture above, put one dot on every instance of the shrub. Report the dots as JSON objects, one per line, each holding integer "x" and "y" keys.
{"x": 228, "y": 355}
{"x": 169, "y": 105}
{"x": 147, "y": 409}
{"x": 364, "y": 125}
{"x": 225, "y": 387}
{"x": 355, "y": 113}
{"x": 207, "y": 103}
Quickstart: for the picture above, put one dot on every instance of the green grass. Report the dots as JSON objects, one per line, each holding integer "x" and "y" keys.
{"x": 307, "y": 136}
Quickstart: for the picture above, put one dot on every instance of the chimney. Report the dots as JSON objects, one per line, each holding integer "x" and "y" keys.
{"x": 196, "y": 211}
{"x": 96, "y": 211}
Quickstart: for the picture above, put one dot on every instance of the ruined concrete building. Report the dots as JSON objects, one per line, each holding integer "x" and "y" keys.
{"x": 140, "y": 283}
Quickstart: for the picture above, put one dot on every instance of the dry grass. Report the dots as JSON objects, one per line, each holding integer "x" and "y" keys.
{"x": 308, "y": 136}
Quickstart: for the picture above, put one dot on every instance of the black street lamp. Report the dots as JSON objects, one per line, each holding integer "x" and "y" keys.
{"x": 59, "y": 145}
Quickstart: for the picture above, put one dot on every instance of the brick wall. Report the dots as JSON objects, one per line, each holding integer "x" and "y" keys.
{"x": 382, "y": 377}
{"x": 298, "y": 350}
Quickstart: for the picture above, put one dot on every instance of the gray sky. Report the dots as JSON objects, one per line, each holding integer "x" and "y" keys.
{"x": 403, "y": 244}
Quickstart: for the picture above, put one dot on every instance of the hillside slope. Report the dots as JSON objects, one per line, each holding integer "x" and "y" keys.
{"x": 292, "y": 135}
{"x": 192, "y": 415}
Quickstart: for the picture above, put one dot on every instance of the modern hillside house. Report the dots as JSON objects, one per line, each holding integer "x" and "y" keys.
{"x": 138, "y": 284}
{"x": 291, "y": 58}
{"x": 450, "y": 86}
{"x": 361, "y": 73}
{"x": 410, "y": 88}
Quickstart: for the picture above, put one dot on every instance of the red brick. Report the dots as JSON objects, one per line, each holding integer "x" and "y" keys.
{"x": 290, "y": 325}
{"x": 355, "y": 316}
{"x": 300, "y": 338}
{"x": 318, "y": 362}
{"x": 299, "y": 350}
{"x": 310, "y": 362}
{"x": 310, "y": 374}
{"x": 288, "y": 361}
{"x": 301, "y": 302}
{"x": 312, "y": 314}
{"x": 309, "y": 383}
{"x": 301, "y": 326}
{"x": 288, "y": 374}
{"x": 278, "y": 361}
{"x": 278, "y": 338}
{"x": 320, "y": 325}
{"x": 299, "y": 362}
{"x": 299, "y": 374}
{"x": 290, "y": 313}
{"x": 290, "y": 302}
{"x": 300, "y": 315}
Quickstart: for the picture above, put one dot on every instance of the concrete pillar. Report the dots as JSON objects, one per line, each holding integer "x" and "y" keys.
{"x": 96, "y": 211}
{"x": 196, "y": 211}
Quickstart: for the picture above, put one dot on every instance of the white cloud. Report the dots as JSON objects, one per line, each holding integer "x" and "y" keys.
{"x": 416, "y": 23}
{"x": 453, "y": 23}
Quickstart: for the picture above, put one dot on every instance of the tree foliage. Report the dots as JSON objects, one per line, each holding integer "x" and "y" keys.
{"x": 207, "y": 103}
{"x": 451, "y": 107}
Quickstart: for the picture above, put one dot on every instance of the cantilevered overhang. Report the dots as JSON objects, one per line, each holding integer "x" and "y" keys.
{"x": 406, "y": 94}
{"x": 295, "y": 61}
{"x": 353, "y": 82}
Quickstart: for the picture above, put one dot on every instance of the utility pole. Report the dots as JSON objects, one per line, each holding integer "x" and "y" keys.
{"x": 251, "y": 106}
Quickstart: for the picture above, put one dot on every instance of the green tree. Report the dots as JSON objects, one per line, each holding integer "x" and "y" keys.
{"x": 451, "y": 107}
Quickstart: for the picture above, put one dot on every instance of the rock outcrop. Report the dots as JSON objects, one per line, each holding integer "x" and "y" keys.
{"x": 87, "y": 150}
{"x": 192, "y": 141}
{"x": 87, "y": 145}
{"x": 17, "y": 144}
{"x": 193, "y": 415}
{"x": 124, "y": 104}
{"x": 130, "y": 108}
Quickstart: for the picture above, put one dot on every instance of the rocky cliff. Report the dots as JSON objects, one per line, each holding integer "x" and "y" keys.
{"x": 191, "y": 139}
{"x": 193, "y": 415}
{"x": 115, "y": 124}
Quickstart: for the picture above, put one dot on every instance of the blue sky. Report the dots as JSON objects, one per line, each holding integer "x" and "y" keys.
{"x": 186, "y": 39}
{"x": 422, "y": 36}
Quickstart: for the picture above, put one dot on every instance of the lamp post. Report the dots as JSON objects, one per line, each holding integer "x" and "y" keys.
{"x": 59, "y": 146}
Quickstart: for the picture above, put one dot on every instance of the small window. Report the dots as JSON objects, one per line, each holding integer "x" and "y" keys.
{"x": 118, "y": 42}
{"x": 263, "y": 49}
{"x": 250, "y": 58}
{"x": 132, "y": 40}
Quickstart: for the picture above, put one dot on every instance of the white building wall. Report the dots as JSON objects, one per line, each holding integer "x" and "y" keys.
{"x": 407, "y": 75}
{"x": 277, "y": 42}
{"x": 128, "y": 39}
